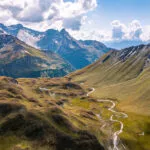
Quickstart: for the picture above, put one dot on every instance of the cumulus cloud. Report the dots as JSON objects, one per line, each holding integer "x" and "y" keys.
{"x": 58, "y": 14}
{"x": 133, "y": 31}
{"x": 118, "y": 30}
{"x": 75, "y": 23}
{"x": 146, "y": 33}
{"x": 47, "y": 11}
{"x": 91, "y": 34}
{"x": 72, "y": 23}
{"x": 4, "y": 15}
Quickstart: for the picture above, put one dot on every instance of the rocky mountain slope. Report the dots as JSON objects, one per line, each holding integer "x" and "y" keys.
{"x": 17, "y": 59}
{"x": 120, "y": 69}
{"x": 78, "y": 53}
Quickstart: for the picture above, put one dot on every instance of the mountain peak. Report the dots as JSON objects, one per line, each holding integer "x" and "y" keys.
{"x": 12, "y": 51}
{"x": 51, "y": 31}
{"x": 63, "y": 31}
{"x": 66, "y": 35}
{"x": 60, "y": 42}
{"x": 18, "y": 26}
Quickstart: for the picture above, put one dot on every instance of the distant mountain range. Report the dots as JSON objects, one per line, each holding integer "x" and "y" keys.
{"x": 121, "y": 44}
{"x": 17, "y": 59}
{"x": 78, "y": 53}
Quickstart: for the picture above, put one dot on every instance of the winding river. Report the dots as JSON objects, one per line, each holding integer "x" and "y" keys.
{"x": 123, "y": 115}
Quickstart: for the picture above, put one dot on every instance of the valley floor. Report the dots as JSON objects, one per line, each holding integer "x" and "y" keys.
{"x": 136, "y": 131}
{"x": 58, "y": 114}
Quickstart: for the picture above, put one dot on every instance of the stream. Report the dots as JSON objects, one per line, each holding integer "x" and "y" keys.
{"x": 115, "y": 134}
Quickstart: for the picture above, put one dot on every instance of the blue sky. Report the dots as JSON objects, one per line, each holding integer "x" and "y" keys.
{"x": 123, "y": 10}
{"x": 129, "y": 16}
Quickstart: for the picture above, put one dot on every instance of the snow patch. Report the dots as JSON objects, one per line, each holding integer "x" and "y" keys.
{"x": 132, "y": 53}
{"x": 2, "y": 31}
{"x": 27, "y": 52}
{"x": 71, "y": 46}
{"x": 56, "y": 42}
{"x": 26, "y": 37}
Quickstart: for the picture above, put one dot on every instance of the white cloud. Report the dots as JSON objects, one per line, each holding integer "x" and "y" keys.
{"x": 4, "y": 15}
{"x": 91, "y": 34}
{"x": 47, "y": 11}
{"x": 134, "y": 31}
{"x": 58, "y": 14}
{"x": 145, "y": 36}
{"x": 28, "y": 38}
{"x": 72, "y": 23}
{"x": 118, "y": 29}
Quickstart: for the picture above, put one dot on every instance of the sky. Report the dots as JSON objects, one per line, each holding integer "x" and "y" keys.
{"x": 102, "y": 20}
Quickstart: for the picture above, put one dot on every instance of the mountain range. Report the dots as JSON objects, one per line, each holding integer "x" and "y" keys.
{"x": 124, "y": 69}
{"x": 17, "y": 59}
{"x": 78, "y": 53}
{"x": 121, "y": 44}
